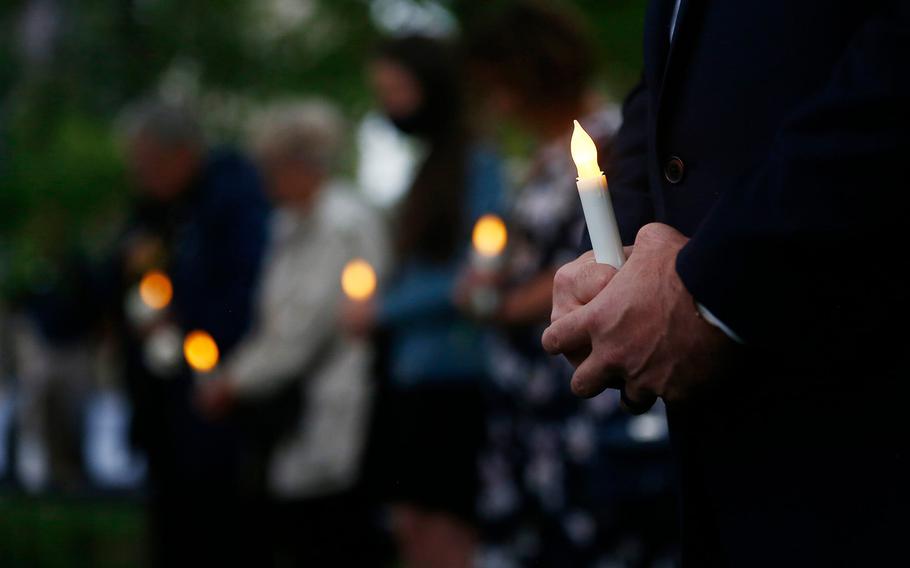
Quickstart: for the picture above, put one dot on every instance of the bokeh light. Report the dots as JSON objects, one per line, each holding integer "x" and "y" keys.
{"x": 358, "y": 279}
{"x": 490, "y": 235}
{"x": 201, "y": 351}
{"x": 156, "y": 289}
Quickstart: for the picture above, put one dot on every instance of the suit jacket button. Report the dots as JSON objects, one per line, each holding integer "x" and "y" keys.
{"x": 674, "y": 170}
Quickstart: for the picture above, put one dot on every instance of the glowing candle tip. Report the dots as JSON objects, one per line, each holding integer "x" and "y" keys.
{"x": 201, "y": 351}
{"x": 358, "y": 279}
{"x": 156, "y": 289}
{"x": 490, "y": 236}
{"x": 584, "y": 153}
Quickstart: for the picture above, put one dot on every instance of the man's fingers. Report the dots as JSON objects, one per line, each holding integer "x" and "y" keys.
{"x": 576, "y": 358}
{"x": 567, "y": 334}
{"x": 591, "y": 279}
{"x": 636, "y": 400}
{"x": 628, "y": 250}
{"x": 577, "y": 283}
{"x": 595, "y": 375}
{"x": 584, "y": 257}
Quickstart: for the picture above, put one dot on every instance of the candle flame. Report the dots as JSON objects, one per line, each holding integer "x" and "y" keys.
{"x": 156, "y": 289}
{"x": 490, "y": 235}
{"x": 358, "y": 279}
{"x": 201, "y": 351}
{"x": 584, "y": 153}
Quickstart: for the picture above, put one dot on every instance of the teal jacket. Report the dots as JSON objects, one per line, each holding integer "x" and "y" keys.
{"x": 430, "y": 340}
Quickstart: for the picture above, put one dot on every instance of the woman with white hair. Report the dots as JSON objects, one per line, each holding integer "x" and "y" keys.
{"x": 318, "y": 226}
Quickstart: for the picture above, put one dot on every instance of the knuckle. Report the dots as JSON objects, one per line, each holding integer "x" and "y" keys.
{"x": 645, "y": 232}
{"x": 564, "y": 276}
{"x": 650, "y": 233}
{"x": 586, "y": 318}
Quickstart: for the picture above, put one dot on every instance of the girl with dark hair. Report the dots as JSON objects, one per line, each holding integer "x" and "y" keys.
{"x": 431, "y": 419}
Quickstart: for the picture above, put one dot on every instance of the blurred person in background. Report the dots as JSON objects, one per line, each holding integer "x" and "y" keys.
{"x": 199, "y": 217}
{"x": 431, "y": 422}
{"x": 296, "y": 351}
{"x": 561, "y": 476}
{"x": 54, "y": 365}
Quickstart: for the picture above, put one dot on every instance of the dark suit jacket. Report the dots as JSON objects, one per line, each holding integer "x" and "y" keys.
{"x": 215, "y": 236}
{"x": 776, "y": 134}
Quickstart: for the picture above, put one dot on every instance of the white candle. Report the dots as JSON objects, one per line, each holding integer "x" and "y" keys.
{"x": 595, "y": 201}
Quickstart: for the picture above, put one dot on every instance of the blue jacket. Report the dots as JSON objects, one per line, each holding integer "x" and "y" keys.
{"x": 431, "y": 341}
{"x": 218, "y": 249}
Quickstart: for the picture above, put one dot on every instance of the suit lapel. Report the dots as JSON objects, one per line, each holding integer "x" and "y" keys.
{"x": 678, "y": 35}
{"x": 675, "y": 51}
{"x": 657, "y": 41}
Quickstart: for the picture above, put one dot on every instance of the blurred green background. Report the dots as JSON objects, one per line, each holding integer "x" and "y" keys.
{"x": 68, "y": 66}
{"x": 73, "y": 533}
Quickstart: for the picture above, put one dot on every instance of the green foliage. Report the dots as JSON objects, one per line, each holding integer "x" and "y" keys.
{"x": 60, "y": 173}
{"x": 62, "y": 533}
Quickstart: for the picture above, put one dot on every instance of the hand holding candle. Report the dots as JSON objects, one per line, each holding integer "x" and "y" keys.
{"x": 358, "y": 282}
{"x": 595, "y": 201}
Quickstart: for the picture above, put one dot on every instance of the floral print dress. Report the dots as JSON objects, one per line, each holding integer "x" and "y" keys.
{"x": 545, "y": 499}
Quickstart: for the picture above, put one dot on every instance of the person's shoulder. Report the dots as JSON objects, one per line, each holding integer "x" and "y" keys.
{"x": 485, "y": 182}
{"x": 344, "y": 208}
{"x": 228, "y": 159}
{"x": 231, "y": 177}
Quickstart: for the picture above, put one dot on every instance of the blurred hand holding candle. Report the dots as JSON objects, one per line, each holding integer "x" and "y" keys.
{"x": 146, "y": 310}
{"x": 161, "y": 350}
{"x": 489, "y": 238}
{"x": 595, "y": 201}
{"x": 358, "y": 282}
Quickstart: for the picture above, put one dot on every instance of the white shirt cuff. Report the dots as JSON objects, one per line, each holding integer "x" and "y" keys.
{"x": 712, "y": 319}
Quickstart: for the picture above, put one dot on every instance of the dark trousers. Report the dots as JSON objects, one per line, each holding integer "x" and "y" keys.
{"x": 337, "y": 530}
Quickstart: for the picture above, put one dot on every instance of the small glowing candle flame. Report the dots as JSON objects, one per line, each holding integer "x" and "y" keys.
{"x": 156, "y": 290}
{"x": 584, "y": 153}
{"x": 201, "y": 351}
{"x": 490, "y": 235}
{"x": 358, "y": 279}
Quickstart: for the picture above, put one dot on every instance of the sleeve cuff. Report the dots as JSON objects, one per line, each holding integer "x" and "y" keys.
{"x": 713, "y": 320}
